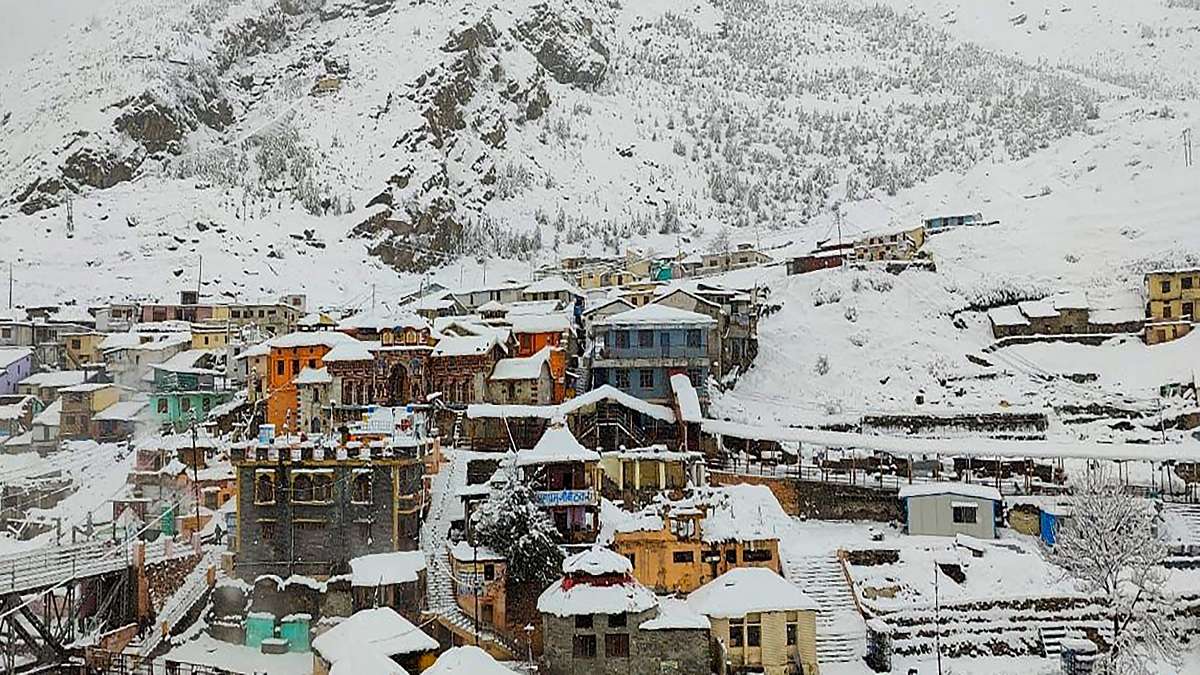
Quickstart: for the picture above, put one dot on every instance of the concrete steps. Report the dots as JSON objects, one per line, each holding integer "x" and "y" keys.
{"x": 841, "y": 631}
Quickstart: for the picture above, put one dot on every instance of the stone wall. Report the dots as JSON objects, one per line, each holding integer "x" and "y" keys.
{"x": 685, "y": 652}
{"x": 825, "y": 501}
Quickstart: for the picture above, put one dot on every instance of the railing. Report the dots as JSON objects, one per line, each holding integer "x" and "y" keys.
{"x": 49, "y": 566}
{"x": 115, "y": 663}
{"x": 194, "y": 587}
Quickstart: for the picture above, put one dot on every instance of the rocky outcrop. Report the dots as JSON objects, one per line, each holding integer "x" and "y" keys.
{"x": 566, "y": 44}
{"x": 101, "y": 168}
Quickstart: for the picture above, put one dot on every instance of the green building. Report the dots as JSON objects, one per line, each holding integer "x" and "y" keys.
{"x": 181, "y": 393}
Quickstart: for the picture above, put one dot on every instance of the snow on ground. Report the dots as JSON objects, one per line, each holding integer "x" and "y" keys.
{"x": 209, "y": 651}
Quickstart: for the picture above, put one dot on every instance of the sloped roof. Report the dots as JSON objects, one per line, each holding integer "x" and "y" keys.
{"x": 12, "y": 355}
{"x": 540, "y": 323}
{"x": 56, "y": 379}
{"x": 597, "y": 561}
{"x": 351, "y": 350}
{"x": 523, "y": 368}
{"x": 746, "y": 590}
{"x": 472, "y": 345}
{"x": 383, "y": 569}
{"x": 380, "y": 630}
{"x": 961, "y": 489}
{"x": 557, "y": 444}
{"x": 122, "y": 411}
{"x": 313, "y": 376}
{"x": 687, "y": 398}
{"x": 601, "y": 393}
{"x": 465, "y": 660}
{"x": 654, "y": 315}
{"x": 551, "y": 284}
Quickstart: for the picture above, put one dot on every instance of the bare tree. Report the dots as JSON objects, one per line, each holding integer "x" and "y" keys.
{"x": 1110, "y": 544}
{"x": 721, "y": 241}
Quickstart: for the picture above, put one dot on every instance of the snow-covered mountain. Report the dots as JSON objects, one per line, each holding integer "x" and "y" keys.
{"x": 341, "y": 146}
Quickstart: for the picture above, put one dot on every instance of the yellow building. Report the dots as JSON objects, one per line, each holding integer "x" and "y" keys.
{"x": 211, "y": 335}
{"x": 80, "y": 349}
{"x": 676, "y": 547}
{"x": 1171, "y": 297}
{"x": 640, "y": 293}
{"x": 763, "y": 622}
{"x": 901, "y": 245}
{"x": 603, "y": 277}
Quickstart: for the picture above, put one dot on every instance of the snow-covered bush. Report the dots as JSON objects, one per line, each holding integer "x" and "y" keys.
{"x": 822, "y": 365}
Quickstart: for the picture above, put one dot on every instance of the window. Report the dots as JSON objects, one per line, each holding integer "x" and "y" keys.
{"x": 1166, "y": 311}
{"x": 966, "y": 514}
{"x": 683, "y": 557}
{"x": 646, "y": 378}
{"x": 756, "y": 555}
{"x": 295, "y": 366}
{"x": 75, "y": 344}
{"x": 731, "y": 556}
{"x": 360, "y": 493}
{"x": 737, "y": 633}
{"x": 1185, "y": 283}
{"x": 616, "y": 645}
{"x": 693, "y": 338}
{"x": 694, "y": 377}
{"x": 489, "y": 572}
{"x": 622, "y": 339}
{"x": 264, "y": 488}
{"x": 753, "y": 635}
{"x": 266, "y": 530}
{"x": 710, "y": 556}
{"x": 323, "y": 487}
{"x": 622, "y": 379}
{"x": 618, "y": 620}
{"x": 279, "y": 367}
{"x": 645, "y": 339}
{"x": 7, "y": 333}
{"x": 312, "y": 363}
{"x": 1188, "y": 308}
{"x": 1165, "y": 286}
{"x": 583, "y": 621}
{"x": 162, "y": 406}
{"x": 185, "y": 404}
{"x": 792, "y": 630}
{"x": 583, "y": 647}
{"x": 362, "y": 531}
{"x": 302, "y": 488}
{"x": 664, "y": 340}
{"x": 1160, "y": 335}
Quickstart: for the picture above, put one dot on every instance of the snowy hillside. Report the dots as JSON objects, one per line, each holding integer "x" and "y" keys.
{"x": 472, "y": 138}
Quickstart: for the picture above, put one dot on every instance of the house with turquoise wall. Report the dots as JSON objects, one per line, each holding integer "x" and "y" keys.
{"x": 180, "y": 394}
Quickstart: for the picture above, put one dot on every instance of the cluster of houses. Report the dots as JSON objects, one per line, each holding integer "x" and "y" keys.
{"x": 1170, "y": 297}
{"x": 638, "y": 268}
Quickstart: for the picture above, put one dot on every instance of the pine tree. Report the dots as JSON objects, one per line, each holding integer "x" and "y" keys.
{"x": 512, "y": 524}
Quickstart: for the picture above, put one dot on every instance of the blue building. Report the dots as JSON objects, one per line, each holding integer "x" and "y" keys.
{"x": 639, "y": 350}
{"x": 942, "y": 223}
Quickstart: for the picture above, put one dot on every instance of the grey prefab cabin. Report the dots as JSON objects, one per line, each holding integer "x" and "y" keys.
{"x": 947, "y": 509}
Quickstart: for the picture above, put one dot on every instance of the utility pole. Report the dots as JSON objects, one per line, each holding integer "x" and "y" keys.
{"x": 937, "y": 618}
{"x": 70, "y": 218}
{"x": 195, "y": 475}
{"x": 10, "y": 285}
{"x": 1187, "y": 147}
{"x": 372, "y": 297}
{"x": 199, "y": 277}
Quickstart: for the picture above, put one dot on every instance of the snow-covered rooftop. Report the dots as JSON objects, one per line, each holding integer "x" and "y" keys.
{"x": 10, "y": 355}
{"x": 466, "y": 660}
{"x": 380, "y": 630}
{"x": 492, "y": 306}
{"x": 657, "y": 315}
{"x": 319, "y": 338}
{"x": 603, "y": 392}
{"x": 523, "y": 368}
{"x": 51, "y": 415}
{"x": 381, "y": 320}
{"x": 465, "y": 552}
{"x": 676, "y": 614}
{"x": 123, "y": 411}
{"x": 746, "y": 590}
{"x": 552, "y": 284}
{"x": 367, "y": 662}
{"x": 597, "y": 561}
{"x": 1038, "y": 309}
{"x": 1070, "y": 300}
{"x": 350, "y": 350}
{"x": 383, "y": 569}
{"x": 565, "y": 598}
{"x": 1008, "y": 315}
{"x": 557, "y": 444}
{"x": 687, "y": 398}
{"x": 540, "y": 323}
{"x": 313, "y": 376}
{"x": 960, "y": 489}
{"x": 472, "y": 345}
{"x": 56, "y": 379}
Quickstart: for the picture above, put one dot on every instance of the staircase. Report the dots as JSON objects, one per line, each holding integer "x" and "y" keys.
{"x": 841, "y": 631}
{"x": 440, "y": 578}
{"x": 1053, "y": 635}
{"x": 193, "y": 589}
{"x": 456, "y": 436}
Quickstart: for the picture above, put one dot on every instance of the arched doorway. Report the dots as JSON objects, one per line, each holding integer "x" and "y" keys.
{"x": 397, "y": 393}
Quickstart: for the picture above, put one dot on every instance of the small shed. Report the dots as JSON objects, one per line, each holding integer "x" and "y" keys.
{"x": 947, "y": 509}
{"x": 1052, "y": 517}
